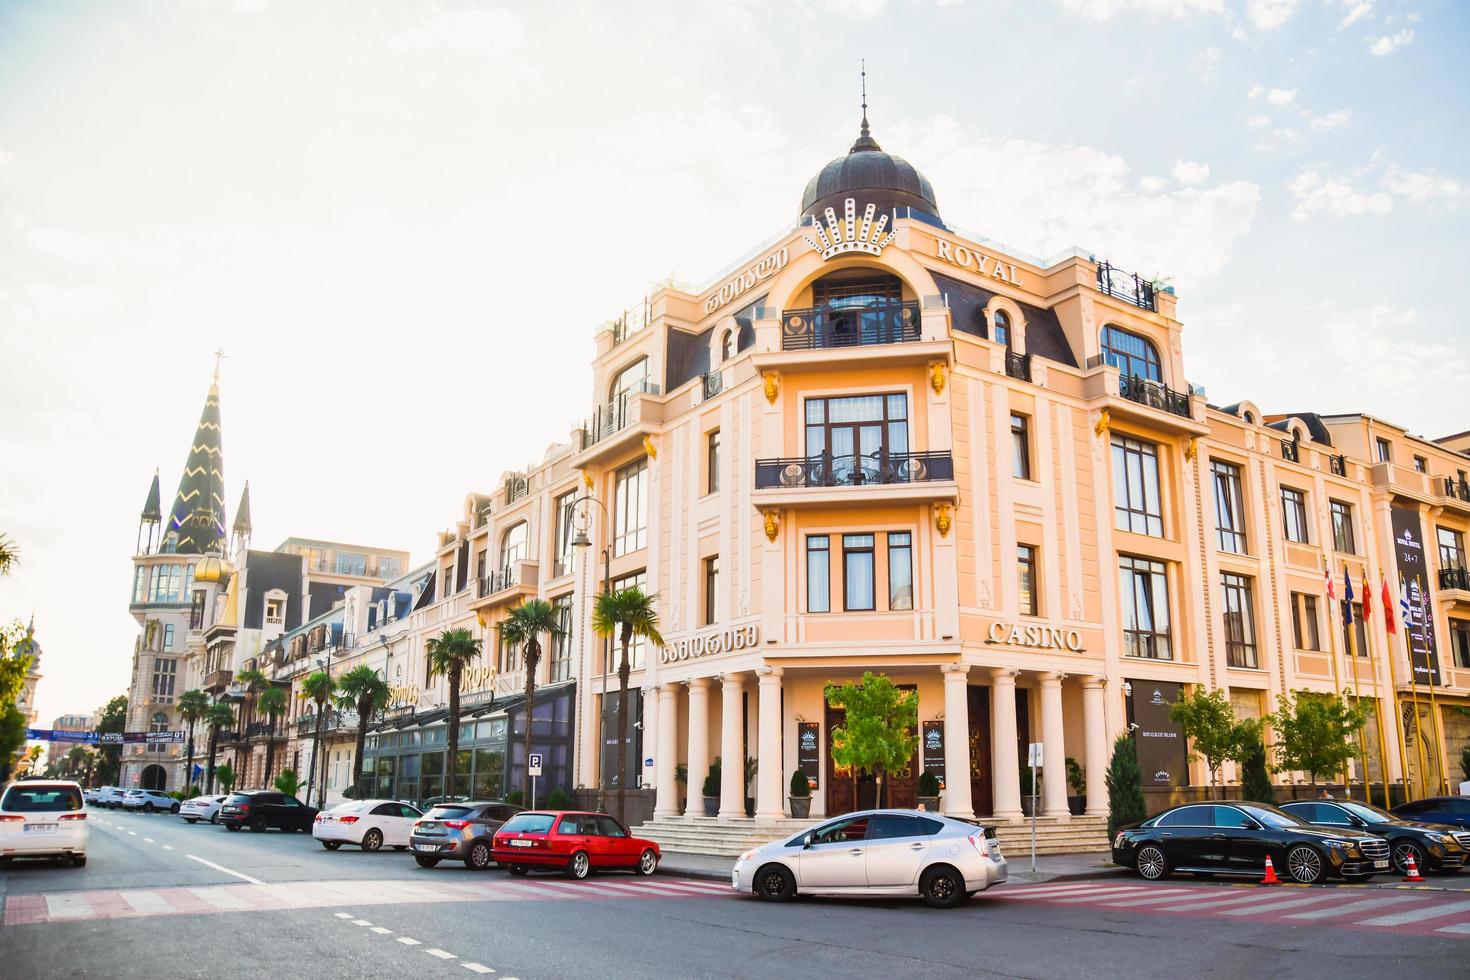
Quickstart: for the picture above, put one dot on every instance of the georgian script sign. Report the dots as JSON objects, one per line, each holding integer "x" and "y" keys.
{"x": 1036, "y": 635}
{"x": 762, "y": 270}
{"x": 710, "y": 644}
{"x": 105, "y": 738}
{"x": 401, "y": 695}
{"x": 968, "y": 258}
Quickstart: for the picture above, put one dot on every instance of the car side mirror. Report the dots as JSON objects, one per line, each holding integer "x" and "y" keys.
{"x": 1252, "y": 825}
{"x": 808, "y": 841}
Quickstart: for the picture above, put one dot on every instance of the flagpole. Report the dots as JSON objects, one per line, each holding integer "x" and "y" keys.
{"x": 1433, "y": 702}
{"x": 1393, "y": 678}
{"x": 1377, "y": 700}
{"x": 1414, "y": 687}
{"x": 1347, "y": 784}
{"x": 1352, "y": 642}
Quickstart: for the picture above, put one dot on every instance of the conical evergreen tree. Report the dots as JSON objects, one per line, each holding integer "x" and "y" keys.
{"x": 1255, "y": 781}
{"x": 1125, "y": 786}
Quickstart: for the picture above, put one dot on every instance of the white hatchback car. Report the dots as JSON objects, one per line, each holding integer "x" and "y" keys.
{"x": 149, "y": 800}
{"x": 202, "y": 808}
{"x": 370, "y": 824}
{"x": 43, "y": 818}
{"x": 877, "y": 852}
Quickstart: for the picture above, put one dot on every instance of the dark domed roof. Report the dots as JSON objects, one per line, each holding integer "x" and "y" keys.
{"x": 870, "y": 176}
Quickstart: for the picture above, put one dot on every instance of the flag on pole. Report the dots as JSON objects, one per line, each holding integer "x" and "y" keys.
{"x": 1328, "y": 586}
{"x": 1367, "y": 601}
{"x": 1347, "y": 598}
{"x": 1388, "y": 608}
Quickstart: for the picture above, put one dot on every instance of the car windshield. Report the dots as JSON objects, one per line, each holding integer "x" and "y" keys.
{"x": 529, "y": 823}
{"x": 1272, "y": 817}
{"x": 1367, "y": 812}
{"x": 41, "y": 799}
{"x": 239, "y": 798}
{"x": 448, "y": 812}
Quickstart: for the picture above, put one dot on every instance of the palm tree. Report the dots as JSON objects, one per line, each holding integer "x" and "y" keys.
{"x": 254, "y": 682}
{"x": 9, "y": 555}
{"x": 524, "y": 627}
{"x": 626, "y": 613}
{"x": 272, "y": 703}
{"x": 192, "y": 707}
{"x": 449, "y": 654}
{"x": 216, "y": 716}
{"x": 362, "y": 689}
{"x": 318, "y": 687}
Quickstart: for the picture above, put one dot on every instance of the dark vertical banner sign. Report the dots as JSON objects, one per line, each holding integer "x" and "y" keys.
{"x": 933, "y": 746}
{"x": 808, "y": 751}
{"x": 1162, "y": 754}
{"x": 1418, "y": 612}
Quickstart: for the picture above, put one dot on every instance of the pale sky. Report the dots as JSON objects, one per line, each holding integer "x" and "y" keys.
{"x": 405, "y": 221}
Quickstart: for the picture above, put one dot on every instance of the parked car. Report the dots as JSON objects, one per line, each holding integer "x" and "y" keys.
{"x": 434, "y": 801}
{"x": 149, "y": 800}
{"x": 202, "y": 808}
{"x": 875, "y": 853}
{"x": 1434, "y": 847}
{"x": 1235, "y": 838}
{"x": 370, "y": 824}
{"x": 110, "y": 797}
{"x": 43, "y": 818}
{"x": 460, "y": 832}
{"x": 1453, "y": 810}
{"x": 89, "y": 795}
{"x": 260, "y": 809}
{"x": 575, "y": 842}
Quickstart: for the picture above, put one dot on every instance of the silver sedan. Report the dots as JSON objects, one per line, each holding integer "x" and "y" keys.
{"x": 876, "y": 853}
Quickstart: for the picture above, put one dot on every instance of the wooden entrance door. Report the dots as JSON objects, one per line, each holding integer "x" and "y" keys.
{"x": 844, "y": 794}
{"x": 982, "y": 796}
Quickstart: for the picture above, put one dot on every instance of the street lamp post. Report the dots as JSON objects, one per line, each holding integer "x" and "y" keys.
{"x": 580, "y": 540}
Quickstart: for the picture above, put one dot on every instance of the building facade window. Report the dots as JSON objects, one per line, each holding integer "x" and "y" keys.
{"x": 1136, "y": 503}
{"x": 630, "y": 508}
{"x": 564, "y": 533}
{"x": 508, "y": 654}
{"x": 1421, "y": 465}
{"x": 351, "y": 563}
{"x": 1342, "y": 527}
{"x": 158, "y": 723}
{"x": 1305, "y": 630}
{"x": 1000, "y": 328}
{"x": 165, "y": 671}
{"x": 818, "y": 573}
{"x": 1240, "y": 622}
{"x": 1460, "y": 641}
{"x": 1229, "y": 507}
{"x": 859, "y": 594}
{"x": 727, "y": 345}
{"x": 712, "y": 612}
{"x": 168, "y": 636}
{"x": 1132, "y": 355}
{"x": 638, "y": 649}
{"x": 1029, "y": 602}
{"x": 1384, "y": 449}
{"x": 275, "y": 611}
{"x": 448, "y": 580}
{"x": 561, "y": 642}
{"x": 631, "y": 380}
{"x": 1144, "y": 588}
{"x": 515, "y": 544}
{"x": 1294, "y": 515}
{"x": 1020, "y": 446}
{"x": 712, "y": 461}
{"x": 140, "y": 583}
{"x": 857, "y": 432}
{"x": 1451, "y": 547}
{"x": 900, "y": 570}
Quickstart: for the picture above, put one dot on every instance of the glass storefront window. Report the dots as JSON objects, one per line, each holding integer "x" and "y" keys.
{"x": 431, "y": 786}
{"x": 462, "y": 767}
{"x": 489, "y": 780}
{"x": 408, "y": 767}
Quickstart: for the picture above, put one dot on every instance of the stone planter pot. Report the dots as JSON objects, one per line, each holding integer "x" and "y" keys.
{"x": 929, "y": 803}
{"x": 801, "y": 806}
{"x": 1026, "y": 805}
{"x": 1077, "y": 805}
{"x": 711, "y": 806}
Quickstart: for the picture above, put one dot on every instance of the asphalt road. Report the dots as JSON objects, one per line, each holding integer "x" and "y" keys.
{"x": 159, "y": 898}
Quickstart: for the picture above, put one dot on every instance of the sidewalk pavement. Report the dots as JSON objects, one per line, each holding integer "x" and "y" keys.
{"x": 1050, "y": 867}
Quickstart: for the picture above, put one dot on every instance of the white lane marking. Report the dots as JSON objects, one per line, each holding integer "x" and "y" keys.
{"x": 148, "y": 840}
{"x": 440, "y": 954}
{"x": 361, "y": 922}
{"x": 1368, "y": 903}
{"x": 381, "y": 931}
{"x": 219, "y": 867}
{"x": 168, "y": 847}
{"x": 477, "y": 967}
{"x": 408, "y": 942}
{"x": 344, "y": 915}
{"x": 1416, "y": 915}
{"x": 1460, "y": 928}
{"x": 1271, "y": 907}
{"x": 132, "y": 833}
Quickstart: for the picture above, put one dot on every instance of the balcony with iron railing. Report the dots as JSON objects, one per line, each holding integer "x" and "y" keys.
{"x": 1455, "y": 492}
{"x": 832, "y": 327}
{"x": 1291, "y": 451}
{"x": 517, "y": 487}
{"x": 1127, "y": 286}
{"x": 619, "y": 423}
{"x": 711, "y": 384}
{"x": 1018, "y": 366}
{"x": 333, "y": 720}
{"x": 1155, "y": 394}
{"x": 1140, "y": 400}
{"x": 1454, "y": 578}
{"x": 829, "y": 478}
{"x": 518, "y": 579}
{"x": 217, "y": 680}
{"x": 1337, "y": 464}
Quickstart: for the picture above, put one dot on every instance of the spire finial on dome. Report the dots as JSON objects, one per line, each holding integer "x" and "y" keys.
{"x": 865, "y": 139}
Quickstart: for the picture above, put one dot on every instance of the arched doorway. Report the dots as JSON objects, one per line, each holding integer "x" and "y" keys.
{"x": 154, "y": 777}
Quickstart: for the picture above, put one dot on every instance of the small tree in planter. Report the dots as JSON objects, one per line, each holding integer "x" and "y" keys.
{"x": 1077, "y": 781}
{"x": 929, "y": 791}
{"x": 880, "y": 731}
{"x": 1314, "y": 733}
{"x": 1208, "y": 721}
{"x": 712, "y": 789}
{"x": 1125, "y": 786}
{"x": 801, "y": 795}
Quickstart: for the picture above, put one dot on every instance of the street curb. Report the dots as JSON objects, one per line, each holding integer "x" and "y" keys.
{"x": 696, "y": 873}
{"x": 1017, "y": 879}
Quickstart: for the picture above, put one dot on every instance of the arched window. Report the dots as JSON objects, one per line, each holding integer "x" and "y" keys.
{"x": 1132, "y": 355}
{"x": 513, "y": 545}
{"x": 159, "y": 723}
{"x": 1000, "y": 330}
{"x": 727, "y": 345}
{"x": 630, "y": 380}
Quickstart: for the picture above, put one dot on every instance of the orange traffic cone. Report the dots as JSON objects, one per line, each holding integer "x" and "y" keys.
{"x": 1413, "y": 871}
{"x": 1270, "y": 878}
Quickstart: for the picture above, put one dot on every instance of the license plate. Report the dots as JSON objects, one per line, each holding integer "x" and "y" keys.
{"x": 40, "y": 828}
{"x": 426, "y": 847}
{"x": 520, "y": 843}
{"x": 1380, "y": 864}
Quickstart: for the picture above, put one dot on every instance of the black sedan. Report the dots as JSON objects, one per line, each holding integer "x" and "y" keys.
{"x": 260, "y": 809}
{"x": 1434, "y": 847}
{"x": 1236, "y": 838}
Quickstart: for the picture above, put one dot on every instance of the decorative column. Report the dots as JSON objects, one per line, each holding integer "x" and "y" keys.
{"x": 666, "y": 798}
{"x": 1095, "y": 733}
{"x": 768, "y": 783}
{"x": 1005, "y": 763}
{"x": 957, "y": 801}
{"x": 1054, "y": 749}
{"x": 698, "y": 761}
{"x": 732, "y": 754}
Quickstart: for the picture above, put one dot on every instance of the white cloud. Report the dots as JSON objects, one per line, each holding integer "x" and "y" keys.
{"x": 1353, "y": 11}
{"x": 490, "y": 31}
{"x": 857, "y": 9}
{"x": 1189, "y": 173}
{"x": 1206, "y": 62}
{"x": 1331, "y": 120}
{"x": 1389, "y": 43}
{"x": 1152, "y": 185}
{"x": 1427, "y": 189}
{"x": 1281, "y": 96}
{"x": 1258, "y": 121}
{"x": 6, "y": 158}
{"x": 1107, "y": 9}
{"x": 1333, "y": 196}
{"x": 1267, "y": 15}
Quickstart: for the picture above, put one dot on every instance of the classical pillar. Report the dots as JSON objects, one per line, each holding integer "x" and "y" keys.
{"x": 698, "y": 761}
{"x": 1005, "y": 764}
{"x": 666, "y": 798}
{"x": 1054, "y": 749}
{"x": 768, "y": 782}
{"x": 732, "y": 753}
{"x": 1095, "y": 733}
{"x": 957, "y": 802}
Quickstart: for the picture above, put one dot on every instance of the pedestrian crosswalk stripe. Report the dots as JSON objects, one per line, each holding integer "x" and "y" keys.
{"x": 1366, "y": 905}
{"x": 1417, "y": 915}
{"x": 226, "y": 899}
{"x": 1236, "y": 899}
{"x": 1170, "y": 895}
{"x": 1117, "y": 892}
{"x": 1267, "y": 908}
{"x": 1460, "y": 928}
{"x": 1044, "y": 891}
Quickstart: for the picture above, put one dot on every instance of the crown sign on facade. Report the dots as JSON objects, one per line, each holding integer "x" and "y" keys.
{"x": 838, "y": 238}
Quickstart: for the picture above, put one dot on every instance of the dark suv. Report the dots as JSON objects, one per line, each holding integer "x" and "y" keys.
{"x": 1454, "y": 810}
{"x": 259, "y": 809}
{"x": 1433, "y": 847}
{"x": 460, "y": 832}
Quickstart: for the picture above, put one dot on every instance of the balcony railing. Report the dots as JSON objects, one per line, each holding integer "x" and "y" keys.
{"x": 1125, "y": 286}
{"x": 1018, "y": 365}
{"x": 1454, "y": 578}
{"x": 1459, "y": 489}
{"x": 218, "y": 678}
{"x": 828, "y": 470}
{"x": 825, "y": 327}
{"x": 1289, "y": 451}
{"x": 516, "y": 487}
{"x": 615, "y": 416}
{"x": 1338, "y": 465}
{"x": 332, "y": 720}
{"x": 712, "y": 383}
{"x": 498, "y": 581}
{"x": 260, "y": 729}
{"x": 1154, "y": 395}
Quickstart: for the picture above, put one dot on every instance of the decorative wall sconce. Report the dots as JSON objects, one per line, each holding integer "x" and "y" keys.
{"x": 772, "y": 386}
{"x": 936, "y": 377}
{"x": 942, "y": 520}
{"x": 773, "y": 523}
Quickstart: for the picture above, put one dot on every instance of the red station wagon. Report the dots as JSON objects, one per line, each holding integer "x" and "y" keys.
{"x": 578, "y": 843}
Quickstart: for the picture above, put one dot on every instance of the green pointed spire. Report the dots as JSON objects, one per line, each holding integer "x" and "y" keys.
{"x": 196, "y": 521}
{"x": 242, "y": 513}
{"x": 153, "y": 507}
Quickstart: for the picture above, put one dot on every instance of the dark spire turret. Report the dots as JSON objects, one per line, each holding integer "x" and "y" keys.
{"x": 241, "y": 526}
{"x": 196, "y": 522}
{"x": 153, "y": 506}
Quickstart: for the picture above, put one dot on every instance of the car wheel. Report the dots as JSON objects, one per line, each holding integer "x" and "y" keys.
{"x": 579, "y": 866}
{"x": 331, "y": 845}
{"x": 147, "y": 807}
{"x": 191, "y": 820}
{"x": 647, "y": 862}
{"x": 1401, "y": 852}
{"x": 942, "y": 887}
{"x": 773, "y": 883}
{"x": 425, "y": 861}
{"x": 1304, "y": 865}
{"x": 1152, "y": 865}
{"x": 372, "y": 840}
{"x": 257, "y": 823}
{"x": 519, "y": 870}
{"x": 174, "y": 808}
{"x": 232, "y": 827}
{"x": 79, "y": 861}
{"x": 479, "y": 857}
{"x": 214, "y": 817}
